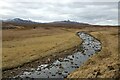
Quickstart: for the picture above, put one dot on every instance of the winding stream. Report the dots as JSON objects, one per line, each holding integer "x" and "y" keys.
{"x": 61, "y": 68}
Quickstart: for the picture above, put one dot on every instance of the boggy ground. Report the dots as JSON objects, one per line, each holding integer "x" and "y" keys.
{"x": 104, "y": 64}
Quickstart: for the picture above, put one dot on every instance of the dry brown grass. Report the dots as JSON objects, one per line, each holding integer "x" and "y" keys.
{"x": 104, "y": 64}
{"x": 22, "y": 46}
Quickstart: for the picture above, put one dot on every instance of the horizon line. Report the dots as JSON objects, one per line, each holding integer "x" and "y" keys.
{"x": 40, "y": 21}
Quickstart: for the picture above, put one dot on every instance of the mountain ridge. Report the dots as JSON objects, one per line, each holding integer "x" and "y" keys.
{"x": 22, "y": 21}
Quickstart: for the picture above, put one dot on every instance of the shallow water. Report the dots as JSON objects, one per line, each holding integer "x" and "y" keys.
{"x": 62, "y": 67}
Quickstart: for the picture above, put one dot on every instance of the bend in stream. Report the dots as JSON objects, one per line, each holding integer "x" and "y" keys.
{"x": 61, "y": 68}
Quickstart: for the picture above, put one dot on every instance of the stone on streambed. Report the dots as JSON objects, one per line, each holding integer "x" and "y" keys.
{"x": 61, "y": 59}
{"x": 26, "y": 73}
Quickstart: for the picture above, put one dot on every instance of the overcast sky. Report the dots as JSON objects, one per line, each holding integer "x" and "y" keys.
{"x": 90, "y": 11}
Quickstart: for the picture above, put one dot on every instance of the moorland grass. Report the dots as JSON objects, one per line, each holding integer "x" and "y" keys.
{"x": 23, "y": 46}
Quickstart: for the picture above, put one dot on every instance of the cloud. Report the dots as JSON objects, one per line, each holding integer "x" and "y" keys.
{"x": 53, "y": 10}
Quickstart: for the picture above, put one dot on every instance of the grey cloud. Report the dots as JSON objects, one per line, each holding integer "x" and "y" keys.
{"x": 91, "y": 12}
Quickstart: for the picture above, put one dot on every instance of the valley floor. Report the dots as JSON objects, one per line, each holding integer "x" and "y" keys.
{"x": 29, "y": 48}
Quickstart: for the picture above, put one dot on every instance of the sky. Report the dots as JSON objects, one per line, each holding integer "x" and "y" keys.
{"x": 101, "y": 12}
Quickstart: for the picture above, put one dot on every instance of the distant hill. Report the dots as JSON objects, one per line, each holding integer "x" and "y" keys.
{"x": 68, "y": 22}
{"x": 18, "y": 23}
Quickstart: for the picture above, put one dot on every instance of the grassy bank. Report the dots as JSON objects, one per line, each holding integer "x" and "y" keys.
{"x": 23, "y": 46}
{"x": 105, "y": 63}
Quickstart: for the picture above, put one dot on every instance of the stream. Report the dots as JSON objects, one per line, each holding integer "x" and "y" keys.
{"x": 61, "y": 68}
